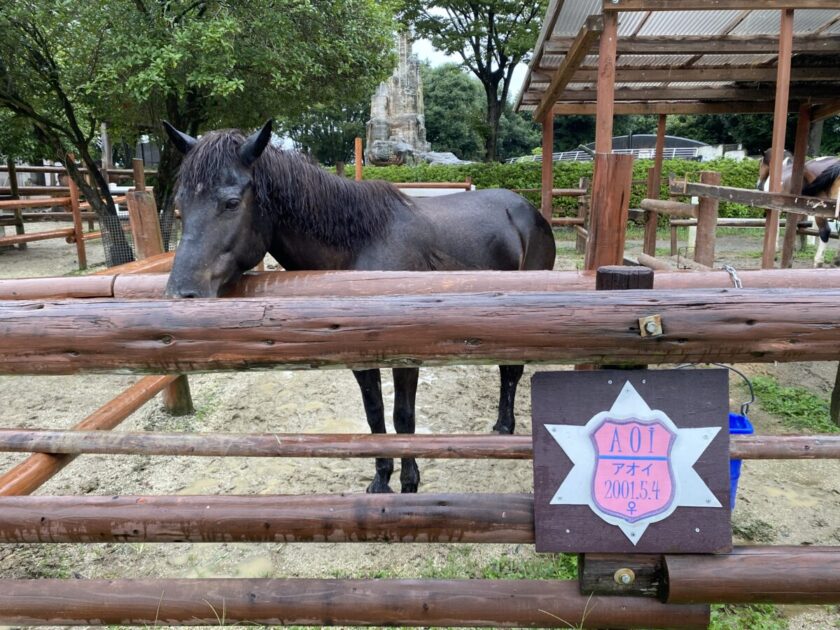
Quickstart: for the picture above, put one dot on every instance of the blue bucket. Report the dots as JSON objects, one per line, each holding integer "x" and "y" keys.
{"x": 738, "y": 425}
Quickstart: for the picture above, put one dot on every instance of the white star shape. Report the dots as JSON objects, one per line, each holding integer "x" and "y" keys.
{"x": 576, "y": 441}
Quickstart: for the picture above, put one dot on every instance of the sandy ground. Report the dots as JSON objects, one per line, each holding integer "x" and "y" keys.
{"x": 779, "y": 502}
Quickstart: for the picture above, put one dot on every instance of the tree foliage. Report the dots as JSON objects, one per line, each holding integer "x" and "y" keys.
{"x": 328, "y": 133}
{"x": 67, "y": 65}
{"x": 490, "y": 37}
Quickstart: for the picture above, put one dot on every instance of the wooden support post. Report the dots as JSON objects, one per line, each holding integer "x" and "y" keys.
{"x": 654, "y": 185}
{"x": 771, "y": 232}
{"x": 605, "y": 105}
{"x": 707, "y": 215}
{"x": 15, "y": 193}
{"x": 139, "y": 170}
{"x": 145, "y": 229}
{"x": 145, "y": 226}
{"x": 547, "y": 171}
{"x": 583, "y": 213}
{"x": 609, "y": 209}
{"x": 835, "y": 399}
{"x": 78, "y": 232}
{"x": 359, "y": 157}
{"x": 803, "y": 127}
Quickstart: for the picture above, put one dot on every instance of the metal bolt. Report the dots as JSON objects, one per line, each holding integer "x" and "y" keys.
{"x": 624, "y": 577}
{"x": 650, "y": 327}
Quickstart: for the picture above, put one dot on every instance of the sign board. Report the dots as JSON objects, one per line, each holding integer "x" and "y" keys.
{"x": 631, "y": 461}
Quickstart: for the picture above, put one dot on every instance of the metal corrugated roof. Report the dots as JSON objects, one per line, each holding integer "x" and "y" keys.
{"x": 658, "y": 31}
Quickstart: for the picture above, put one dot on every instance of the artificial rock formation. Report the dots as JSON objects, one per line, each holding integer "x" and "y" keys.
{"x": 396, "y": 132}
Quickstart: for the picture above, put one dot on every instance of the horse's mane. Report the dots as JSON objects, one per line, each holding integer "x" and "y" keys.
{"x": 300, "y": 196}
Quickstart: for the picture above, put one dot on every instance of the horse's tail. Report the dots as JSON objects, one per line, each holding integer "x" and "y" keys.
{"x": 823, "y": 181}
{"x": 536, "y": 238}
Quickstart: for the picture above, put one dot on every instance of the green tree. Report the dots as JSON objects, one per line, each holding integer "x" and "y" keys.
{"x": 329, "y": 133}
{"x": 453, "y": 103}
{"x": 491, "y": 37}
{"x": 66, "y": 66}
{"x": 518, "y": 134}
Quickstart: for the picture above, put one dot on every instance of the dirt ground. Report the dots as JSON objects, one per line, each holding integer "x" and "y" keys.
{"x": 778, "y": 502}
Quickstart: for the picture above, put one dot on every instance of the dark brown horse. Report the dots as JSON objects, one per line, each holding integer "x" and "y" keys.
{"x": 821, "y": 178}
{"x": 242, "y": 197}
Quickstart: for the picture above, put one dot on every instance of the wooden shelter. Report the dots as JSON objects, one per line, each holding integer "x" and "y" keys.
{"x": 607, "y": 57}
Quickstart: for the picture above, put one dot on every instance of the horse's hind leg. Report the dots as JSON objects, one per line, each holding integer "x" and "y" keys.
{"x": 825, "y": 233}
{"x": 510, "y": 375}
{"x": 405, "y": 394}
{"x": 371, "y": 386}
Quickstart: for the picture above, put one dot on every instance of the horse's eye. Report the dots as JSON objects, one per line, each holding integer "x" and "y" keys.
{"x": 232, "y": 203}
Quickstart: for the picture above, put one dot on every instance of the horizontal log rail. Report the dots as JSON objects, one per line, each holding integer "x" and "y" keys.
{"x": 60, "y": 170}
{"x": 562, "y": 221}
{"x": 556, "y": 192}
{"x": 31, "y": 237}
{"x": 672, "y": 208}
{"x": 149, "y": 284}
{"x": 434, "y": 185}
{"x": 215, "y": 602}
{"x": 161, "y": 336}
{"x": 782, "y": 575}
{"x": 757, "y": 198}
{"x": 32, "y": 472}
{"x": 40, "y": 217}
{"x": 455, "y": 446}
{"x": 14, "y": 204}
{"x": 358, "y": 517}
{"x": 738, "y": 223}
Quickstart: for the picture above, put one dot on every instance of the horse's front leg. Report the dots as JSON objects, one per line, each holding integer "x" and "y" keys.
{"x": 405, "y": 394}
{"x": 509, "y": 375}
{"x": 371, "y": 386}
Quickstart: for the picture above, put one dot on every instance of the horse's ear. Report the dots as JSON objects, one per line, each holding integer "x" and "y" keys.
{"x": 182, "y": 141}
{"x": 255, "y": 144}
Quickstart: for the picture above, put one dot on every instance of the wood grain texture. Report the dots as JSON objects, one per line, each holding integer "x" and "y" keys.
{"x": 301, "y": 333}
{"x": 451, "y": 446}
{"x": 801, "y": 575}
{"x": 609, "y": 208}
{"x": 473, "y": 518}
{"x": 707, "y": 216}
{"x": 493, "y": 603}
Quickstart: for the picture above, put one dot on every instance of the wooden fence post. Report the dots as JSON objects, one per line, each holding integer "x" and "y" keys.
{"x": 707, "y": 215}
{"x": 609, "y": 209}
{"x": 145, "y": 229}
{"x": 78, "y": 232}
{"x": 13, "y": 189}
{"x": 583, "y": 213}
{"x": 359, "y": 159}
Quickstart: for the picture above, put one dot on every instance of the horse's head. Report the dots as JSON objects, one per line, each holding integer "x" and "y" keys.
{"x": 223, "y": 232}
{"x": 764, "y": 167}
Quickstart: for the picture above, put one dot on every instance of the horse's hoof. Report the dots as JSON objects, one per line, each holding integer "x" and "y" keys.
{"x": 501, "y": 430}
{"x": 377, "y": 487}
{"x": 409, "y": 488}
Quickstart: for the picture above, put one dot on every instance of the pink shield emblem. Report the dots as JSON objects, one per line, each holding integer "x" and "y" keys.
{"x": 633, "y": 478}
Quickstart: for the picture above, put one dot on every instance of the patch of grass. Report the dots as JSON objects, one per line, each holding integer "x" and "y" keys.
{"x": 747, "y": 617}
{"x": 754, "y": 531}
{"x": 796, "y": 407}
{"x": 461, "y": 565}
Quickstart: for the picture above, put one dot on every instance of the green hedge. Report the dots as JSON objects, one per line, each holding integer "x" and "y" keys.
{"x": 740, "y": 174}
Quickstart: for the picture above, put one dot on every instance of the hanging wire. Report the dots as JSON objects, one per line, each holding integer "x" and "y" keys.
{"x": 745, "y": 407}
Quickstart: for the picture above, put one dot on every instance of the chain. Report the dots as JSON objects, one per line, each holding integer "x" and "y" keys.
{"x": 736, "y": 281}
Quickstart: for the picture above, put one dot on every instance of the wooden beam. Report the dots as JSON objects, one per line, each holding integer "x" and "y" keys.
{"x": 800, "y": 147}
{"x": 699, "y": 74}
{"x": 611, "y": 183}
{"x": 654, "y": 186}
{"x": 715, "y": 5}
{"x": 707, "y": 216}
{"x": 338, "y": 602}
{"x": 547, "y": 166}
{"x": 746, "y": 93}
{"x": 589, "y": 32}
{"x": 305, "y": 445}
{"x": 802, "y": 575}
{"x": 717, "y": 44}
{"x": 758, "y": 198}
{"x": 668, "y": 107}
{"x": 827, "y": 110}
{"x": 604, "y": 95}
{"x": 771, "y": 231}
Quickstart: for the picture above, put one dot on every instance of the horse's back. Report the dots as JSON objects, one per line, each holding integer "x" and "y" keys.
{"x": 487, "y": 229}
